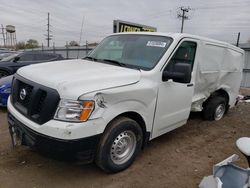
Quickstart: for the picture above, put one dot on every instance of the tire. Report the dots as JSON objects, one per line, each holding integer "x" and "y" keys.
{"x": 3, "y": 73}
{"x": 215, "y": 108}
{"x": 119, "y": 145}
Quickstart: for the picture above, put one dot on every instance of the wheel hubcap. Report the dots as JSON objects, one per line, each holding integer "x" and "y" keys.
{"x": 123, "y": 147}
{"x": 219, "y": 112}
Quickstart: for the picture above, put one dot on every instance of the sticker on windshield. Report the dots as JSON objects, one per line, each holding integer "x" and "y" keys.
{"x": 156, "y": 44}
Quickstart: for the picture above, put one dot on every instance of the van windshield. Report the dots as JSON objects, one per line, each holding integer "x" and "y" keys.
{"x": 138, "y": 51}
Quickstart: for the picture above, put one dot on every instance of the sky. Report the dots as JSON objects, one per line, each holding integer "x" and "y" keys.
{"x": 218, "y": 19}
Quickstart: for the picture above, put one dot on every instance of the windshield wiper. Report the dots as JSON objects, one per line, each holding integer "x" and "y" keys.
{"x": 90, "y": 58}
{"x": 106, "y": 60}
{"x": 114, "y": 62}
{"x": 111, "y": 61}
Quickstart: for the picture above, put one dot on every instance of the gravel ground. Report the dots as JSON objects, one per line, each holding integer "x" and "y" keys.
{"x": 177, "y": 159}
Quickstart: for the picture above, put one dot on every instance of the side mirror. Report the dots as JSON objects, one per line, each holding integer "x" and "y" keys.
{"x": 16, "y": 59}
{"x": 181, "y": 73}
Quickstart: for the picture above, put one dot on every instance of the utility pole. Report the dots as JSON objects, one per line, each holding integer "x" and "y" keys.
{"x": 80, "y": 40}
{"x": 183, "y": 16}
{"x": 238, "y": 39}
{"x": 87, "y": 47}
{"x": 48, "y": 35}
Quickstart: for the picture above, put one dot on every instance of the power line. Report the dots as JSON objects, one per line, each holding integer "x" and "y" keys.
{"x": 183, "y": 16}
{"x": 155, "y": 15}
{"x": 220, "y": 7}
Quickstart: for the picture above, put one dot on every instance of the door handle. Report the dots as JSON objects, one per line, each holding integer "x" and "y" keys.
{"x": 190, "y": 85}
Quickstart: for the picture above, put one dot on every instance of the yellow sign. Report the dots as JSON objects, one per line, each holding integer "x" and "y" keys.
{"x": 121, "y": 26}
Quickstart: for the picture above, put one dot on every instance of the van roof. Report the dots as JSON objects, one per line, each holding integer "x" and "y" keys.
{"x": 179, "y": 36}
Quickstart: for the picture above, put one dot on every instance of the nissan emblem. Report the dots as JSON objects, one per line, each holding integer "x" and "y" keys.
{"x": 22, "y": 94}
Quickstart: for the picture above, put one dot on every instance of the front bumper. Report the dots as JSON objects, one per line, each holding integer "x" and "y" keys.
{"x": 60, "y": 129}
{"x": 84, "y": 148}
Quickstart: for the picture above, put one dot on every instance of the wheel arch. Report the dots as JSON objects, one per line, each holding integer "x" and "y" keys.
{"x": 219, "y": 92}
{"x": 222, "y": 93}
{"x": 139, "y": 119}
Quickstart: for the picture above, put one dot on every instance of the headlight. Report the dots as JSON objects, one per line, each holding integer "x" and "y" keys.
{"x": 75, "y": 111}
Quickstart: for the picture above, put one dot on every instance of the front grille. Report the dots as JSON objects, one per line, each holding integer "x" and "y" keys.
{"x": 42, "y": 96}
{"x": 39, "y": 103}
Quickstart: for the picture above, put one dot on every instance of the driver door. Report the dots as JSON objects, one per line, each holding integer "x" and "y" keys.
{"x": 174, "y": 98}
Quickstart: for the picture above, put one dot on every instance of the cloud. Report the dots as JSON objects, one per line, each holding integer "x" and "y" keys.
{"x": 219, "y": 19}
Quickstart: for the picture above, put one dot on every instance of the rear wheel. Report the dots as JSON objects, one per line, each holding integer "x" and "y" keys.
{"x": 3, "y": 73}
{"x": 119, "y": 145}
{"x": 215, "y": 108}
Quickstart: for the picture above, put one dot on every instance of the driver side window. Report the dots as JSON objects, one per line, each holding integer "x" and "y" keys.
{"x": 27, "y": 57}
{"x": 184, "y": 54}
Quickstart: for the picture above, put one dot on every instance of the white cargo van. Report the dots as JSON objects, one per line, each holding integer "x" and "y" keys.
{"x": 130, "y": 89}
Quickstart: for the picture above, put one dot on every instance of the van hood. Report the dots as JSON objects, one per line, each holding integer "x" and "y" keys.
{"x": 73, "y": 78}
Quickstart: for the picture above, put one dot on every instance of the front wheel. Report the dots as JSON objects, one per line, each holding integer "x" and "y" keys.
{"x": 119, "y": 145}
